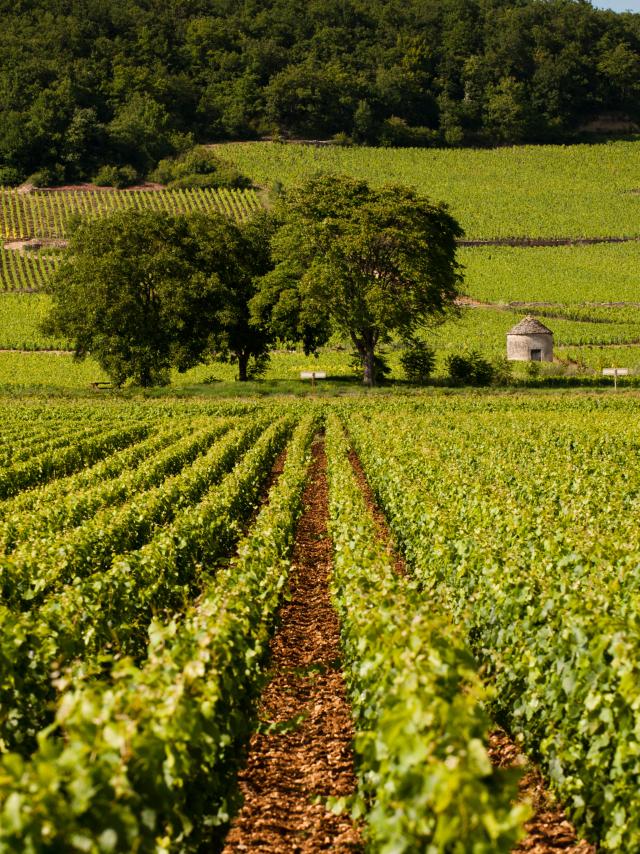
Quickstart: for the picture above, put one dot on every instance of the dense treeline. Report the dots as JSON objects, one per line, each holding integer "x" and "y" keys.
{"x": 85, "y": 83}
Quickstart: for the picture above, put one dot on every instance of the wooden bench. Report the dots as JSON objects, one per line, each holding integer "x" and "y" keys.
{"x": 101, "y": 386}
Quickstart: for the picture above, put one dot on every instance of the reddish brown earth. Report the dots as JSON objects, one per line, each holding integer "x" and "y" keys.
{"x": 527, "y": 242}
{"x": 549, "y": 830}
{"x": 302, "y": 755}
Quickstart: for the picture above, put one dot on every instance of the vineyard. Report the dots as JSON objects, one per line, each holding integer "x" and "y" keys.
{"x": 46, "y": 214}
{"x": 25, "y": 271}
{"x": 521, "y": 191}
{"x": 587, "y": 294}
{"x": 145, "y": 553}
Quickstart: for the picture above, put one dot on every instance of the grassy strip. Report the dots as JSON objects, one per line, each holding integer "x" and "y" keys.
{"x": 147, "y": 761}
{"x": 426, "y": 781}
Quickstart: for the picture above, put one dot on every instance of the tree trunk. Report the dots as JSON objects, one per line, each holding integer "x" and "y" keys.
{"x": 243, "y": 362}
{"x": 369, "y": 365}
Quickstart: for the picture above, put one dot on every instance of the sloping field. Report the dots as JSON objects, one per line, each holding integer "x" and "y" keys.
{"x": 25, "y": 271}
{"x": 524, "y": 191}
{"x": 46, "y": 213}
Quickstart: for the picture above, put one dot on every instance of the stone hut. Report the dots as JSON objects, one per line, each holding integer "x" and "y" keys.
{"x": 530, "y": 341}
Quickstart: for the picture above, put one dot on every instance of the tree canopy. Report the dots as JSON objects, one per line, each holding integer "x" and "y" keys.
{"x": 364, "y": 262}
{"x": 86, "y": 83}
{"x": 143, "y": 292}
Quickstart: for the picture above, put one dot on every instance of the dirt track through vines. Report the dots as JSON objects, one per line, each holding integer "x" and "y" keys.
{"x": 301, "y": 754}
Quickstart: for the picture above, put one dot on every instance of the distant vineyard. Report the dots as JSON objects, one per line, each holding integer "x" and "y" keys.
{"x": 534, "y": 191}
{"x": 568, "y": 275}
{"x": 25, "y": 272}
{"x": 46, "y": 214}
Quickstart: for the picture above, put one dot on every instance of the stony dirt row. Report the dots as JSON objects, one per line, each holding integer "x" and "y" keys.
{"x": 301, "y": 754}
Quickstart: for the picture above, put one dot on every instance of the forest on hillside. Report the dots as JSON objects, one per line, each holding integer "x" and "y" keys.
{"x": 84, "y": 83}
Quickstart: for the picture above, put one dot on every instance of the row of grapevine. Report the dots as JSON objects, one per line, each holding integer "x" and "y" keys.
{"x": 46, "y": 213}
{"x": 44, "y": 564}
{"x": 111, "y": 606}
{"x": 161, "y": 455}
{"x": 562, "y": 275}
{"x": 40, "y": 446}
{"x": 56, "y": 462}
{"x": 419, "y": 705}
{"x": 25, "y": 271}
{"x": 145, "y": 758}
{"x": 519, "y": 518}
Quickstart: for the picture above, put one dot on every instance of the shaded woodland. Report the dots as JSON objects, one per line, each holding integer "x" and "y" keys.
{"x": 84, "y": 83}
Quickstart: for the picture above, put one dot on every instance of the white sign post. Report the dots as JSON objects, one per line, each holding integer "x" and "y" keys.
{"x": 615, "y": 373}
{"x": 313, "y": 376}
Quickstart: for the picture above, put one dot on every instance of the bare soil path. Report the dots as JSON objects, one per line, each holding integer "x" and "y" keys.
{"x": 530, "y": 242}
{"x": 302, "y": 752}
{"x": 549, "y": 831}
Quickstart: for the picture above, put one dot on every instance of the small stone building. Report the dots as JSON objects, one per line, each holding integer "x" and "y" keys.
{"x": 530, "y": 341}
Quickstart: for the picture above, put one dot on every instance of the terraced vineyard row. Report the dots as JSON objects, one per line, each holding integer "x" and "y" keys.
{"x": 25, "y": 272}
{"x": 46, "y": 213}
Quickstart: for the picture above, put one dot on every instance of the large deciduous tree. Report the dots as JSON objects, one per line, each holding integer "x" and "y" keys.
{"x": 362, "y": 261}
{"x": 236, "y": 334}
{"x": 143, "y": 292}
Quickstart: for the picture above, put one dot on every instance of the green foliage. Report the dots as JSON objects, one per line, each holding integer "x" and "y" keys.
{"x": 51, "y": 214}
{"x": 10, "y": 176}
{"x": 68, "y": 458}
{"x": 502, "y": 371}
{"x": 533, "y": 562}
{"x": 363, "y": 262}
{"x": 199, "y": 167}
{"x": 525, "y": 191}
{"x": 115, "y": 84}
{"x": 425, "y": 778}
{"x": 116, "y": 176}
{"x": 418, "y": 361}
{"x": 48, "y": 176}
{"x": 533, "y": 370}
{"x": 470, "y": 369}
{"x": 143, "y": 291}
{"x": 396, "y": 133}
{"x": 184, "y": 713}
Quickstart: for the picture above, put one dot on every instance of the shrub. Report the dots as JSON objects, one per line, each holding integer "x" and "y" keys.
{"x": 533, "y": 369}
{"x": 502, "y": 371}
{"x": 49, "y": 176}
{"x": 418, "y": 361}
{"x": 116, "y": 176}
{"x": 9, "y": 177}
{"x": 198, "y": 167}
{"x": 397, "y": 133}
{"x": 470, "y": 369}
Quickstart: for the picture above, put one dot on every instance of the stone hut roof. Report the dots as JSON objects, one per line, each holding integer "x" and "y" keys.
{"x": 529, "y": 326}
